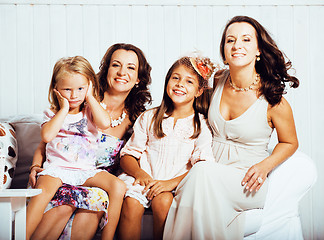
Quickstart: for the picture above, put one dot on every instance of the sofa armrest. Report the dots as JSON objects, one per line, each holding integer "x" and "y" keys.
{"x": 288, "y": 183}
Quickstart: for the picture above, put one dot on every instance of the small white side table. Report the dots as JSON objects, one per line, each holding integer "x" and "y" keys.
{"x": 14, "y": 201}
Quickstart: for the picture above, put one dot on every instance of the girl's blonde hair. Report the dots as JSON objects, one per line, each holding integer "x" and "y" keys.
{"x": 71, "y": 65}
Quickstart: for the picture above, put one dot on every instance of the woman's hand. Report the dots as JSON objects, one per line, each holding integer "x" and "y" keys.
{"x": 255, "y": 176}
{"x": 142, "y": 178}
{"x": 33, "y": 174}
{"x": 63, "y": 102}
{"x": 158, "y": 186}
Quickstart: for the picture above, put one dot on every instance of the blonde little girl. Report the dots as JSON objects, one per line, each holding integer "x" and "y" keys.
{"x": 70, "y": 131}
{"x": 166, "y": 142}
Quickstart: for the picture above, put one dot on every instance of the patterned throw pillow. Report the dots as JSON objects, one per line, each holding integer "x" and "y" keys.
{"x": 8, "y": 151}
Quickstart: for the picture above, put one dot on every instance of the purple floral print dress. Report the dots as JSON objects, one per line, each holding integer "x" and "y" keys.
{"x": 94, "y": 199}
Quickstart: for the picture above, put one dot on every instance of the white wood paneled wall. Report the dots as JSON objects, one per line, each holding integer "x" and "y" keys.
{"x": 34, "y": 34}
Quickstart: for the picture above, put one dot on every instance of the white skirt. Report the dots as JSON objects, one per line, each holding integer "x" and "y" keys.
{"x": 70, "y": 176}
{"x": 135, "y": 191}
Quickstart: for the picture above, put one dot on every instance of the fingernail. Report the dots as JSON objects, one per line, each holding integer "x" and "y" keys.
{"x": 243, "y": 183}
{"x": 247, "y": 187}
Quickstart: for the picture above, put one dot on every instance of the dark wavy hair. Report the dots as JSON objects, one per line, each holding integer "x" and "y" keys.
{"x": 200, "y": 104}
{"x": 272, "y": 67}
{"x": 140, "y": 95}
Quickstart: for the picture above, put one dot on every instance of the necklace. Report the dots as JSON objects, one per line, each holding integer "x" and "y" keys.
{"x": 118, "y": 121}
{"x": 235, "y": 88}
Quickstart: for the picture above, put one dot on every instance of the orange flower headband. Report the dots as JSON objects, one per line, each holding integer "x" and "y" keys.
{"x": 203, "y": 66}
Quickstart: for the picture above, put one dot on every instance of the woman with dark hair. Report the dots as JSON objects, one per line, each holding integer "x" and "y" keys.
{"x": 245, "y": 107}
{"x": 139, "y": 96}
{"x": 124, "y": 76}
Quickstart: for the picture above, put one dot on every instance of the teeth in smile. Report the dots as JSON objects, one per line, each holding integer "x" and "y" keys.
{"x": 238, "y": 55}
{"x": 121, "y": 80}
{"x": 179, "y": 92}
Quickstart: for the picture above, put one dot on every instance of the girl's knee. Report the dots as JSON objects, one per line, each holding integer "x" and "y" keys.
{"x": 162, "y": 202}
{"x": 64, "y": 210}
{"x": 119, "y": 187}
{"x": 132, "y": 208}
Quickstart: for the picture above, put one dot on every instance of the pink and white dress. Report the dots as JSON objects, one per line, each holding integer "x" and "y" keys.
{"x": 71, "y": 155}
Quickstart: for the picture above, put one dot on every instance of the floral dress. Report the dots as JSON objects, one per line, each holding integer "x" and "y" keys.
{"x": 94, "y": 199}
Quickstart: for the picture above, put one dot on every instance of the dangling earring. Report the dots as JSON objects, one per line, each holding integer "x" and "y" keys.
{"x": 136, "y": 85}
{"x": 258, "y": 58}
{"x": 225, "y": 62}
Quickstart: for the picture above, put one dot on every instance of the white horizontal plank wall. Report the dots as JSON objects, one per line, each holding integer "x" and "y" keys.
{"x": 35, "y": 34}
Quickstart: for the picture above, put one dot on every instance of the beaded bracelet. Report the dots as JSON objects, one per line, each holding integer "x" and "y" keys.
{"x": 34, "y": 165}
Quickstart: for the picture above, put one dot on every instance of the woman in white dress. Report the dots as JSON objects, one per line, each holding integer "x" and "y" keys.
{"x": 246, "y": 106}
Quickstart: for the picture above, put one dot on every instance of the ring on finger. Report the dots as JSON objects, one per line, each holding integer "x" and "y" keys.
{"x": 260, "y": 180}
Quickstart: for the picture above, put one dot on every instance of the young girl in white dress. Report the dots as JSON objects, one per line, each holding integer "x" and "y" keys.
{"x": 166, "y": 142}
{"x": 70, "y": 131}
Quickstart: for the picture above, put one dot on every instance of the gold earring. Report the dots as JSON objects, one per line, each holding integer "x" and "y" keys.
{"x": 225, "y": 62}
{"x": 258, "y": 58}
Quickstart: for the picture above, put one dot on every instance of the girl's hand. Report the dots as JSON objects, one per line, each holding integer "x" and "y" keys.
{"x": 158, "y": 186}
{"x": 32, "y": 175}
{"x": 63, "y": 102}
{"x": 255, "y": 176}
{"x": 90, "y": 90}
{"x": 142, "y": 178}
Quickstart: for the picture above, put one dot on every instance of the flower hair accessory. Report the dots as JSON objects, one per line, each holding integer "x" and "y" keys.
{"x": 203, "y": 66}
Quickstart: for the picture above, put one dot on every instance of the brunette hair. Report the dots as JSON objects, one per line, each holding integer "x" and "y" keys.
{"x": 71, "y": 65}
{"x": 200, "y": 104}
{"x": 272, "y": 66}
{"x": 139, "y": 96}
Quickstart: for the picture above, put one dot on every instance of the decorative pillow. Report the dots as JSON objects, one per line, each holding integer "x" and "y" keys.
{"x": 8, "y": 151}
{"x": 28, "y": 137}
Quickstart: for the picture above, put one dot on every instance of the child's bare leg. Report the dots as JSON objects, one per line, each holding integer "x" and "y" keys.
{"x": 130, "y": 220}
{"x": 116, "y": 189}
{"x": 160, "y": 208}
{"x": 53, "y": 222}
{"x": 85, "y": 224}
{"x": 37, "y": 204}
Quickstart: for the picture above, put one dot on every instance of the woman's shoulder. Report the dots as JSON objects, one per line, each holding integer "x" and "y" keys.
{"x": 220, "y": 74}
{"x": 280, "y": 109}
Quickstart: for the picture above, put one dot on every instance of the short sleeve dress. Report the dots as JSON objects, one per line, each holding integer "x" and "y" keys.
{"x": 71, "y": 155}
{"x": 210, "y": 198}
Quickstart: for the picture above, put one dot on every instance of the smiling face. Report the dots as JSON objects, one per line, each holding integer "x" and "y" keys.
{"x": 241, "y": 45}
{"x": 123, "y": 71}
{"x": 73, "y": 87}
{"x": 183, "y": 86}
